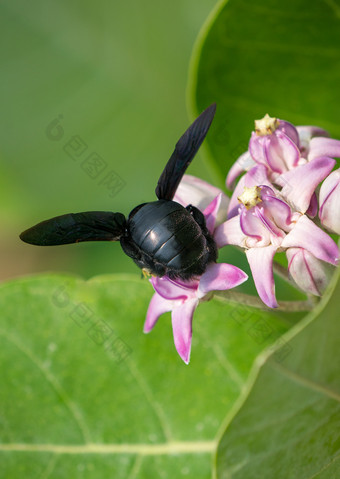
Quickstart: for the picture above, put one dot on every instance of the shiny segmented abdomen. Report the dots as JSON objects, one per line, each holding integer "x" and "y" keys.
{"x": 168, "y": 234}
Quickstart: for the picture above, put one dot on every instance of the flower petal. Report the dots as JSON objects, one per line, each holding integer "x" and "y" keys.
{"x": 261, "y": 264}
{"x": 306, "y": 133}
{"x": 254, "y": 177}
{"x": 182, "y": 327}
{"x": 199, "y": 193}
{"x": 243, "y": 163}
{"x": 220, "y": 276}
{"x": 320, "y": 146}
{"x": 174, "y": 290}
{"x": 281, "y": 152}
{"x": 229, "y": 233}
{"x": 329, "y": 199}
{"x": 299, "y": 184}
{"x": 257, "y": 176}
{"x": 276, "y": 209}
{"x": 289, "y": 130}
{"x": 307, "y": 235}
{"x": 234, "y": 203}
{"x": 311, "y": 274}
{"x": 211, "y": 211}
{"x": 313, "y": 206}
{"x": 257, "y": 145}
{"x": 157, "y": 307}
{"x": 254, "y": 225}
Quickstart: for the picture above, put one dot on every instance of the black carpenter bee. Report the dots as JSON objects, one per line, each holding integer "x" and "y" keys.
{"x": 162, "y": 237}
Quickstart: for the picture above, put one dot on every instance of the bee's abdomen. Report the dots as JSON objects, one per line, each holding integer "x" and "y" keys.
{"x": 167, "y": 240}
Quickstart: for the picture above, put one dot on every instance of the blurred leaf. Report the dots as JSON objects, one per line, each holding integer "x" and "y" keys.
{"x": 84, "y": 393}
{"x": 97, "y": 69}
{"x": 288, "y": 426}
{"x": 252, "y": 58}
{"x": 116, "y": 73}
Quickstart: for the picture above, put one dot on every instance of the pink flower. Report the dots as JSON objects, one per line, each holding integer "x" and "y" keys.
{"x": 266, "y": 224}
{"x": 199, "y": 193}
{"x": 182, "y": 297}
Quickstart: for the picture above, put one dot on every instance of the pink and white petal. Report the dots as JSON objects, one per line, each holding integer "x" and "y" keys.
{"x": 299, "y": 184}
{"x": 157, "y": 307}
{"x": 234, "y": 203}
{"x": 199, "y": 193}
{"x": 172, "y": 290}
{"x": 257, "y": 176}
{"x": 182, "y": 327}
{"x": 307, "y": 235}
{"x": 229, "y": 233}
{"x": 243, "y": 163}
{"x": 211, "y": 211}
{"x": 327, "y": 187}
{"x": 261, "y": 264}
{"x": 306, "y": 133}
{"x": 277, "y": 209}
{"x": 313, "y": 206}
{"x": 309, "y": 273}
{"x": 289, "y": 130}
{"x": 282, "y": 153}
{"x": 254, "y": 224}
{"x": 329, "y": 198}
{"x": 320, "y": 146}
{"x": 257, "y": 147}
{"x": 274, "y": 234}
{"x": 220, "y": 276}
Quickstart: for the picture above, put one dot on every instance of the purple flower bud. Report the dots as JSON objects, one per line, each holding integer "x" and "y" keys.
{"x": 329, "y": 200}
{"x": 275, "y": 145}
{"x": 308, "y": 272}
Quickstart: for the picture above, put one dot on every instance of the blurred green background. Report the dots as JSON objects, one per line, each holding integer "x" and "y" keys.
{"x": 116, "y": 73}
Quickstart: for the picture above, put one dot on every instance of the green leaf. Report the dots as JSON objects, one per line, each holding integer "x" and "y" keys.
{"x": 252, "y": 58}
{"x": 288, "y": 426}
{"x": 85, "y": 394}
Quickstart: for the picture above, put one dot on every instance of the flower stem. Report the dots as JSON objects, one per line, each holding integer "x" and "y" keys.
{"x": 282, "y": 272}
{"x": 254, "y": 302}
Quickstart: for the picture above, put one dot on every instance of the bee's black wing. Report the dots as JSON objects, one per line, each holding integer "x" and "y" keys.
{"x": 76, "y": 227}
{"x": 185, "y": 150}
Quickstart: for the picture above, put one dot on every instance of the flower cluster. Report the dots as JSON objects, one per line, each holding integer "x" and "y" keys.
{"x": 287, "y": 200}
{"x": 277, "y": 205}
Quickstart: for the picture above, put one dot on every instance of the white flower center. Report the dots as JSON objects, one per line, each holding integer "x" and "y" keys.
{"x": 250, "y": 197}
{"x": 266, "y": 126}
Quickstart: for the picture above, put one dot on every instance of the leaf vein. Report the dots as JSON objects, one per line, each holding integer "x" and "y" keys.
{"x": 302, "y": 381}
{"x": 52, "y": 380}
{"x": 136, "y": 467}
{"x": 325, "y": 467}
{"x": 184, "y": 447}
{"x": 151, "y": 400}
